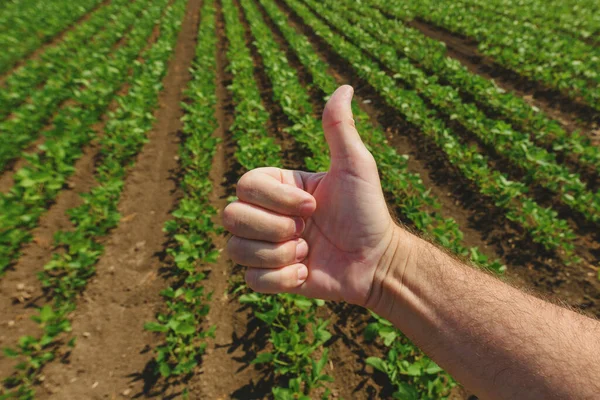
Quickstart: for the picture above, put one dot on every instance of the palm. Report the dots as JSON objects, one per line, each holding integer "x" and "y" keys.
{"x": 347, "y": 233}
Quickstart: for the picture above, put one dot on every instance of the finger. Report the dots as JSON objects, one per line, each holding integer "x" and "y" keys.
{"x": 255, "y": 253}
{"x": 252, "y": 222}
{"x": 276, "y": 280}
{"x": 267, "y": 191}
{"x": 338, "y": 124}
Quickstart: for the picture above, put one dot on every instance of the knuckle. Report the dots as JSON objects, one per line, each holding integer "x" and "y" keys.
{"x": 252, "y": 279}
{"x": 232, "y": 249}
{"x": 245, "y": 186}
{"x": 363, "y": 157}
{"x": 289, "y": 230}
{"x": 229, "y": 218}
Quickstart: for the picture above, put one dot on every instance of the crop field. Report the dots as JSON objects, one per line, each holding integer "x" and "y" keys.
{"x": 125, "y": 125}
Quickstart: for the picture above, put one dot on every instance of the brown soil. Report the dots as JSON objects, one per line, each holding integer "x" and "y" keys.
{"x": 53, "y": 41}
{"x": 293, "y": 154}
{"x": 112, "y": 347}
{"x": 20, "y": 290}
{"x": 7, "y": 175}
{"x": 572, "y": 115}
{"x": 232, "y": 351}
{"x": 20, "y": 286}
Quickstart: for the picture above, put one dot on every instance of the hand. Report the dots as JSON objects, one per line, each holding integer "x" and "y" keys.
{"x": 321, "y": 235}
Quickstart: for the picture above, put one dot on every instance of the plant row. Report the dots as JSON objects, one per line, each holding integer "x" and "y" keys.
{"x": 562, "y": 63}
{"x": 71, "y": 267}
{"x": 19, "y": 84}
{"x": 296, "y": 334}
{"x": 47, "y": 171}
{"x": 27, "y": 26}
{"x": 29, "y": 119}
{"x": 576, "y": 20}
{"x": 190, "y": 230}
{"x": 539, "y": 165}
{"x": 542, "y": 224}
{"x": 431, "y": 55}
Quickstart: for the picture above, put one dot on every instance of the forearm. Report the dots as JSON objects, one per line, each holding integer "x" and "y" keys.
{"x": 496, "y": 340}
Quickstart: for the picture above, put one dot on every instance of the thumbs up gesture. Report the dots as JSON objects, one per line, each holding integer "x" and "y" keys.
{"x": 325, "y": 235}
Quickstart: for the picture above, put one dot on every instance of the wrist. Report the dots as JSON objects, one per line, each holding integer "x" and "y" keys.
{"x": 397, "y": 262}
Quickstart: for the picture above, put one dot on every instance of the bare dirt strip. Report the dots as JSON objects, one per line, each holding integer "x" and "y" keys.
{"x": 8, "y": 173}
{"x": 225, "y": 371}
{"x": 52, "y": 42}
{"x": 20, "y": 290}
{"x": 571, "y": 114}
{"x": 113, "y": 354}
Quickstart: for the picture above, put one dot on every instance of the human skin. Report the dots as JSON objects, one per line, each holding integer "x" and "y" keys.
{"x": 330, "y": 236}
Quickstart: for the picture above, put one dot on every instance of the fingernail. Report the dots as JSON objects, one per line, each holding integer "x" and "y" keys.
{"x": 299, "y": 225}
{"x": 301, "y": 250}
{"x": 302, "y": 273}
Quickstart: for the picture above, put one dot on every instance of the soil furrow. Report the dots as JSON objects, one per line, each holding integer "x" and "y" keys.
{"x": 20, "y": 289}
{"x": 7, "y": 175}
{"x": 112, "y": 348}
{"x": 229, "y": 355}
{"x": 54, "y": 41}
{"x": 570, "y": 117}
{"x": 483, "y": 224}
{"x": 570, "y": 114}
{"x": 292, "y": 154}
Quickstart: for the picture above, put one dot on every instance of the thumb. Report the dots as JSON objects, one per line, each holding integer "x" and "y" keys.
{"x": 342, "y": 137}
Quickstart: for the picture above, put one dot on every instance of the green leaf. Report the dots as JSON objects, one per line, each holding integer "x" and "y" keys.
{"x": 371, "y": 332}
{"x": 377, "y": 363}
{"x": 155, "y": 327}
{"x": 185, "y": 329}
{"x": 8, "y": 352}
{"x": 164, "y": 370}
{"x": 388, "y": 337}
{"x": 250, "y": 298}
{"x": 406, "y": 392}
{"x": 263, "y": 358}
{"x": 46, "y": 313}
